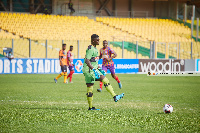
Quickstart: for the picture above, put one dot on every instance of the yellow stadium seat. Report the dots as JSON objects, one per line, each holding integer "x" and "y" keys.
{"x": 56, "y": 28}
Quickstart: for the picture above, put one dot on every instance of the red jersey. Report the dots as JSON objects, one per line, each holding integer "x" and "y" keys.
{"x": 106, "y": 53}
{"x": 70, "y": 56}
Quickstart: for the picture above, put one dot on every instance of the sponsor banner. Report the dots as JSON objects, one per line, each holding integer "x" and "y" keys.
{"x": 161, "y": 65}
{"x": 29, "y": 66}
{"x": 125, "y": 65}
{"x": 52, "y": 66}
{"x": 197, "y": 65}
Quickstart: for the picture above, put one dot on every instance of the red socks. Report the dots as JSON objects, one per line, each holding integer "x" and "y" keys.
{"x": 71, "y": 73}
{"x": 101, "y": 84}
{"x": 70, "y": 76}
{"x": 117, "y": 79}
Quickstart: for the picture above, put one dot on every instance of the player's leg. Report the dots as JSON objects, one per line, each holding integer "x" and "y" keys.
{"x": 101, "y": 83}
{"x": 112, "y": 70}
{"x": 65, "y": 77}
{"x": 100, "y": 89}
{"x": 106, "y": 83}
{"x": 90, "y": 94}
{"x": 62, "y": 73}
{"x": 109, "y": 88}
{"x": 90, "y": 79}
{"x": 71, "y": 68}
{"x": 65, "y": 74}
{"x": 71, "y": 73}
{"x": 68, "y": 74}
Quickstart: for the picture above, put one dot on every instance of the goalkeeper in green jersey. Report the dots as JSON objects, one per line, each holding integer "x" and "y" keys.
{"x": 92, "y": 73}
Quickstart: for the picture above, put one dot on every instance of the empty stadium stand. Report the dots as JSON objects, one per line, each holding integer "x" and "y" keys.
{"x": 68, "y": 29}
{"x": 53, "y": 28}
{"x": 167, "y": 31}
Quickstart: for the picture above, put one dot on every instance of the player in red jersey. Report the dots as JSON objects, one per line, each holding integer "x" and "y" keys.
{"x": 107, "y": 54}
{"x": 70, "y": 63}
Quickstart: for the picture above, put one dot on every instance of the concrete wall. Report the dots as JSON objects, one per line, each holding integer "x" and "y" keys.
{"x": 139, "y": 7}
{"x": 122, "y": 7}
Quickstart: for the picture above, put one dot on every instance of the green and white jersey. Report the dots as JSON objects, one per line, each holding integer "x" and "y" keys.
{"x": 92, "y": 55}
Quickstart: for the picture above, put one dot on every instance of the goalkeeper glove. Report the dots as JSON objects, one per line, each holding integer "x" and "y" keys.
{"x": 97, "y": 75}
{"x": 102, "y": 71}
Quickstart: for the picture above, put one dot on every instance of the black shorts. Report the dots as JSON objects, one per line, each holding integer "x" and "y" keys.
{"x": 64, "y": 68}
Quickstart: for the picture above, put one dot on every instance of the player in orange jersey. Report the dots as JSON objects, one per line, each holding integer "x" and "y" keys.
{"x": 63, "y": 64}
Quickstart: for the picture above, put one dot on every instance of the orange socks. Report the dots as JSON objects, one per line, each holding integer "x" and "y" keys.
{"x": 59, "y": 75}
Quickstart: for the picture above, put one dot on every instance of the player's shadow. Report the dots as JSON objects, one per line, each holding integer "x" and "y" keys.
{"x": 51, "y": 109}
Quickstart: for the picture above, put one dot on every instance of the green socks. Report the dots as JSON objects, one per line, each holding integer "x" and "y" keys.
{"x": 90, "y": 95}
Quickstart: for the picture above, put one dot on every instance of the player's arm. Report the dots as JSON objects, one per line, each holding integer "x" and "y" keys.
{"x": 100, "y": 56}
{"x": 68, "y": 58}
{"x": 114, "y": 54}
{"x": 70, "y": 61}
{"x": 60, "y": 59}
{"x": 88, "y": 56}
{"x": 87, "y": 61}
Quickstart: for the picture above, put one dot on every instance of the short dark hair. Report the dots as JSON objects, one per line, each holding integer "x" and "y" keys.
{"x": 94, "y": 36}
{"x": 71, "y": 46}
{"x": 63, "y": 44}
{"x": 104, "y": 41}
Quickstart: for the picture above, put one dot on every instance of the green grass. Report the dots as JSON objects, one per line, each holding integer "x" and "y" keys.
{"x": 34, "y": 103}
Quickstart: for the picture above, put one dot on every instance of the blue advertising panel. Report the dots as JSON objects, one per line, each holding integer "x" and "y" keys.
{"x": 52, "y": 66}
{"x": 125, "y": 65}
{"x": 197, "y": 65}
{"x": 29, "y": 66}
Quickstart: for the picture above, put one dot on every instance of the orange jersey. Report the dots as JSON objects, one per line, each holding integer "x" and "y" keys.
{"x": 63, "y": 56}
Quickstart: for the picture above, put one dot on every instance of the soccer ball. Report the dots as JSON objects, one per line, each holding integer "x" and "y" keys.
{"x": 168, "y": 108}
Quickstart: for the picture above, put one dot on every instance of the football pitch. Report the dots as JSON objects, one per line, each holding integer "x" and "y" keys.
{"x": 34, "y": 103}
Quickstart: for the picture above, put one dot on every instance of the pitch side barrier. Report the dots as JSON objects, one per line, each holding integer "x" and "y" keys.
{"x": 197, "y": 65}
{"x": 52, "y": 66}
{"x": 139, "y": 66}
{"x": 168, "y": 65}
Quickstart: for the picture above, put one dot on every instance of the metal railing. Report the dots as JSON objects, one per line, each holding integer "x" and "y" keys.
{"x": 127, "y": 14}
{"x": 24, "y": 48}
{"x": 115, "y": 13}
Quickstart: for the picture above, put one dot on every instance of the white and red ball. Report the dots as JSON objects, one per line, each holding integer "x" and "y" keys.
{"x": 168, "y": 108}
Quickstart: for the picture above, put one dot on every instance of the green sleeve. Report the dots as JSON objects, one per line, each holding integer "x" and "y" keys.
{"x": 89, "y": 53}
